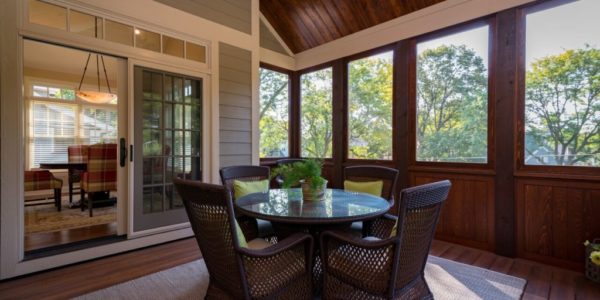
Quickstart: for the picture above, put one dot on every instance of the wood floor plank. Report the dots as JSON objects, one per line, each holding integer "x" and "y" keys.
{"x": 544, "y": 282}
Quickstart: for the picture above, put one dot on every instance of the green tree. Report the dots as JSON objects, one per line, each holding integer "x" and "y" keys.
{"x": 451, "y": 105}
{"x": 563, "y": 108}
{"x": 316, "y": 110}
{"x": 370, "y": 107}
{"x": 273, "y": 122}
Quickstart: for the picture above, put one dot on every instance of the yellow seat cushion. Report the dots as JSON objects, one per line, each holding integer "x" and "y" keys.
{"x": 243, "y": 188}
{"x": 258, "y": 244}
{"x": 240, "y": 235}
{"x": 367, "y": 187}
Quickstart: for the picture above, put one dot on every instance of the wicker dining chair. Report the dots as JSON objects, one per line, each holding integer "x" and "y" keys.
{"x": 248, "y": 173}
{"x": 285, "y": 161}
{"x": 271, "y": 271}
{"x": 386, "y": 267}
{"x": 389, "y": 177}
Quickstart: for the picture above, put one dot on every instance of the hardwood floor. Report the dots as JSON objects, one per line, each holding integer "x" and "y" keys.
{"x": 543, "y": 282}
{"x": 41, "y": 240}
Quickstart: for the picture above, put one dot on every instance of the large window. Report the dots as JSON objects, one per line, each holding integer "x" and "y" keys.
{"x": 562, "y": 95}
{"x": 58, "y": 120}
{"x": 274, "y": 116}
{"x": 370, "y": 107}
{"x": 452, "y": 97}
{"x": 316, "y": 113}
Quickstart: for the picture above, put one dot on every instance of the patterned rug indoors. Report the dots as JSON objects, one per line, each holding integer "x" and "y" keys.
{"x": 45, "y": 218}
{"x": 447, "y": 280}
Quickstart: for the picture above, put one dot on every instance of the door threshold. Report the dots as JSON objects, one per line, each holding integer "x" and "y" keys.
{"x": 74, "y": 246}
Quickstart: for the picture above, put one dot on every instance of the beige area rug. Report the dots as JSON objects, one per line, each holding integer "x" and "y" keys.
{"x": 45, "y": 218}
{"x": 447, "y": 280}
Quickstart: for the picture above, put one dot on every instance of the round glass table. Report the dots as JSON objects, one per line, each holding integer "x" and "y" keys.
{"x": 286, "y": 206}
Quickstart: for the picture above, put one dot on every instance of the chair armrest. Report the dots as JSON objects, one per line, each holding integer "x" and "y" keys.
{"x": 382, "y": 226}
{"x": 282, "y": 268}
{"x": 288, "y": 243}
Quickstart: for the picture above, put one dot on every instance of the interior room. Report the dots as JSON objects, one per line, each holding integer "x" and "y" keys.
{"x": 274, "y": 149}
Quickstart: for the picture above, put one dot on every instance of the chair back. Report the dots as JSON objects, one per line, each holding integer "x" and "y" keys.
{"x": 78, "y": 153}
{"x": 389, "y": 177}
{"x": 418, "y": 214}
{"x": 243, "y": 173}
{"x": 210, "y": 211}
{"x": 101, "y": 174}
{"x": 41, "y": 180}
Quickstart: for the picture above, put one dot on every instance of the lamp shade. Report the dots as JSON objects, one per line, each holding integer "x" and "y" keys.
{"x": 95, "y": 96}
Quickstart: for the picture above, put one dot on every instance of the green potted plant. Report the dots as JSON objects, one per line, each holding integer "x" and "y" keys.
{"x": 307, "y": 174}
{"x": 592, "y": 265}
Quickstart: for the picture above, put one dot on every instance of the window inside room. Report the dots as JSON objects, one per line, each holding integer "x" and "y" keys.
{"x": 316, "y": 94}
{"x": 274, "y": 113}
{"x": 370, "y": 83}
{"x": 452, "y": 97}
{"x": 562, "y": 87}
{"x": 58, "y": 119}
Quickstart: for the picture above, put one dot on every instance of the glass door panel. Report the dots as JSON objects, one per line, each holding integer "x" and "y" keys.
{"x": 168, "y": 118}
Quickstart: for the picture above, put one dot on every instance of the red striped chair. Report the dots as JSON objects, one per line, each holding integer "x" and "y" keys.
{"x": 101, "y": 174}
{"x": 79, "y": 154}
{"x": 44, "y": 180}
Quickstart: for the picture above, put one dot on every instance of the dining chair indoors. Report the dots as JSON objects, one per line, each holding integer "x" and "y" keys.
{"x": 246, "y": 174}
{"x": 101, "y": 174}
{"x": 386, "y": 267}
{"x": 77, "y": 154}
{"x": 241, "y": 269}
{"x": 44, "y": 180}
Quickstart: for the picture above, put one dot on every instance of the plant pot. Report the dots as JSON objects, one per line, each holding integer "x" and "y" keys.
{"x": 592, "y": 271}
{"x": 310, "y": 194}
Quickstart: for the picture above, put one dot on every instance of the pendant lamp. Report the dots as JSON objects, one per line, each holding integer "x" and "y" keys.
{"x": 97, "y": 97}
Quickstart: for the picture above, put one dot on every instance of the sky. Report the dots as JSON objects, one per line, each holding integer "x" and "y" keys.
{"x": 548, "y": 32}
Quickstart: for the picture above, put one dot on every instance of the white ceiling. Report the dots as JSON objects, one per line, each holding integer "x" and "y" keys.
{"x": 48, "y": 57}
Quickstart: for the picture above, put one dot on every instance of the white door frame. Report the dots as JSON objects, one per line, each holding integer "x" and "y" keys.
{"x": 206, "y": 135}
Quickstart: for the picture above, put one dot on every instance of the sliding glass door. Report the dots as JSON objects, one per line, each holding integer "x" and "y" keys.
{"x": 167, "y": 145}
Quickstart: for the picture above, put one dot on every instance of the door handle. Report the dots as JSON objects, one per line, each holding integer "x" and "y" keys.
{"x": 131, "y": 153}
{"x": 123, "y": 152}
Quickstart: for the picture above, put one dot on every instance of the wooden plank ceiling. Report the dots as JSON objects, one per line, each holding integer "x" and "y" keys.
{"x": 304, "y": 24}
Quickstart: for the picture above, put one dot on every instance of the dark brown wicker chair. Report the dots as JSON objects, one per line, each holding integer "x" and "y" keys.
{"x": 279, "y": 271}
{"x": 389, "y": 177}
{"x": 285, "y": 161}
{"x": 388, "y": 267}
{"x": 248, "y": 173}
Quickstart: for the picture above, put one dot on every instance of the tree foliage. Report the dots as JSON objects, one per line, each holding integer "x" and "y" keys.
{"x": 563, "y": 108}
{"x": 273, "y": 122}
{"x": 316, "y": 112}
{"x": 451, "y": 105}
{"x": 370, "y": 107}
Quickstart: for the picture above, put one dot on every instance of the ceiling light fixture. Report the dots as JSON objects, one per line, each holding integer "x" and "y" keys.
{"x": 97, "y": 97}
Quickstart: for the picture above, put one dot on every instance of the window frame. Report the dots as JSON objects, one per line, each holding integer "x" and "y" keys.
{"x": 490, "y": 21}
{"x": 522, "y": 169}
{"x": 346, "y": 117}
{"x": 290, "y": 74}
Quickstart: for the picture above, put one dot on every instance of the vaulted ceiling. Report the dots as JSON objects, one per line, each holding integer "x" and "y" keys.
{"x": 304, "y": 24}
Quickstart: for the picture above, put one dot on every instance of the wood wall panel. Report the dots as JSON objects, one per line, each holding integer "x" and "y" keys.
{"x": 554, "y": 218}
{"x": 468, "y": 213}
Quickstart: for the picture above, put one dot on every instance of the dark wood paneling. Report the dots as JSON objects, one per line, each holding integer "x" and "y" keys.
{"x": 304, "y": 24}
{"x": 468, "y": 213}
{"x": 554, "y": 218}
